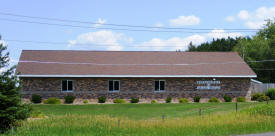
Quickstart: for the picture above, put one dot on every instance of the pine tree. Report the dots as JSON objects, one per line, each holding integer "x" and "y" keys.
{"x": 11, "y": 107}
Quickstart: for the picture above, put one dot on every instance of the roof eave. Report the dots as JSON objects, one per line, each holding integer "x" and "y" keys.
{"x": 227, "y": 76}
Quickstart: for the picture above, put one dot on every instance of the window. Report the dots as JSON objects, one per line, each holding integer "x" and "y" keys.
{"x": 114, "y": 85}
{"x": 67, "y": 85}
{"x": 160, "y": 85}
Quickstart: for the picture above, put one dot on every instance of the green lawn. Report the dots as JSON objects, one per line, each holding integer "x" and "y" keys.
{"x": 146, "y": 119}
{"x": 141, "y": 111}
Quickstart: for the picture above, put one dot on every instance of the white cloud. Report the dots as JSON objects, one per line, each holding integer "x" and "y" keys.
{"x": 153, "y": 44}
{"x": 230, "y": 19}
{"x": 100, "y": 22}
{"x": 264, "y": 13}
{"x": 108, "y": 39}
{"x": 185, "y": 20}
{"x": 114, "y": 41}
{"x": 182, "y": 43}
{"x": 159, "y": 25}
{"x": 255, "y": 24}
{"x": 220, "y": 33}
{"x": 243, "y": 14}
{"x": 256, "y": 19}
{"x": 171, "y": 43}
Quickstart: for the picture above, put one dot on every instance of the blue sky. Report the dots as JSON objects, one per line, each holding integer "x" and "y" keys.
{"x": 216, "y": 15}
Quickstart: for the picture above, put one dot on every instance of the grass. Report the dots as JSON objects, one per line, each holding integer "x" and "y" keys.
{"x": 146, "y": 119}
{"x": 141, "y": 111}
{"x": 209, "y": 125}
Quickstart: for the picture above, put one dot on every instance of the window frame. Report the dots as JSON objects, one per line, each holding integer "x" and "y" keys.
{"x": 67, "y": 85}
{"x": 159, "y": 86}
{"x": 114, "y": 86}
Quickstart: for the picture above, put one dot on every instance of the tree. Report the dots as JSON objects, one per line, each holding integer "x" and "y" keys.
{"x": 11, "y": 107}
{"x": 259, "y": 51}
{"x": 269, "y": 30}
{"x": 216, "y": 45}
{"x": 191, "y": 47}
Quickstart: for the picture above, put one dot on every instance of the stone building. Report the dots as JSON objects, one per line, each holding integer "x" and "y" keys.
{"x": 126, "y": 74}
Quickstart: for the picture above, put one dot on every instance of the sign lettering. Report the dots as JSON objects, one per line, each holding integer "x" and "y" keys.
{"x": 209, "y": 85}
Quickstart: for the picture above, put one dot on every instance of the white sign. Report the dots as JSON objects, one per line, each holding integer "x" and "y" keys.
{"x": 209, "y": 85}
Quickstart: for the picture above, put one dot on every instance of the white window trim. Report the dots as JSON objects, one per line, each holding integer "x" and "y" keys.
{"x": 67, "y": 86}
{"x": 114, "y": 86}
{"x": 159, "y": 86}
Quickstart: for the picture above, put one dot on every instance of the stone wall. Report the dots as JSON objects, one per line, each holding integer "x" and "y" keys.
{"x": 92, "y": 88}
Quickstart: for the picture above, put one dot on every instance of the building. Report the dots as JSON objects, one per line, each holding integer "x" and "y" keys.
{"x": 126, "y": 74}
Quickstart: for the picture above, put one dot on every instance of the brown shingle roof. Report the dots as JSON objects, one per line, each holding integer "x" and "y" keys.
{"x": 131, "y": 63}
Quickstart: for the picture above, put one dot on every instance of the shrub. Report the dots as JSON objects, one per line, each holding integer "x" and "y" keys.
{"x": 263, "y": 98}
{"x": 241, "y": 99}
{"x": 69, "y": 99}
{"x": 255, "y": 96}
{"x": 183, "y": 100}
{"x": 102, "y": 99}
{"x": 271, "y": 93}
{"x": 153, "y": 101}
{"x": 86, "y": 101}
{"x": 197, "y": 98}
{"x": 213, "y": 99}
{"x": 36, "y": 98}
{"x": 37, "y": 114}
{"x": 52, "y": 100}
{"x": 227, "y": 98}
{"x": 119, "y": 101}
{"x": 168, "y": 99}
{"x": 134, "y": 100}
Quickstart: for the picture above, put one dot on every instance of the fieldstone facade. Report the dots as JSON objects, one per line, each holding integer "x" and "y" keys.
{"x": 92, "y": 88}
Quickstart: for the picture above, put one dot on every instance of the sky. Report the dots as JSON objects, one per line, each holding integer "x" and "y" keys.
{"x": 217, "y": 16}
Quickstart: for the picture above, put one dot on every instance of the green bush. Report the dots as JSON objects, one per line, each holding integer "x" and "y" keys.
{"x": 213, "y": 99}
{"x": 255, "y": 96}
{"x": 197, "y": 98}
{"x": 168, "y": 99}
{"x": 69, "y": 99}
{"x": 183, "y": 100}
{"x": 36, "y": 98}
{"x": 52, "y": 100}
{"x": 119, "y": 101}
{"x": 153, "y": 101}
{"x": 271, "y": 93}
{"x": 263, "y": 98}
{"x": 134, "y": 100}
{"x": 227, "y": 98}
{"x": 102, "y": 99}
{"x": 37, "y": 114}
{"x": 241, "y": 99}
{"x": 86, "y": 101}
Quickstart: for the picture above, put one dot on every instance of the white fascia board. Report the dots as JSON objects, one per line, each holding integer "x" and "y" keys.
{"x": 256, "y": 81}
{"x": 241, "y": 76}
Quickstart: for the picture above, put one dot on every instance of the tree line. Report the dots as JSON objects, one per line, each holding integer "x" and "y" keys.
{"x": 259, "y": 47}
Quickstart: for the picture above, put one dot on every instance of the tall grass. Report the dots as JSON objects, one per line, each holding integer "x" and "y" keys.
{"x": 209, "y": 125}
{"x": 252, "y": 119}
